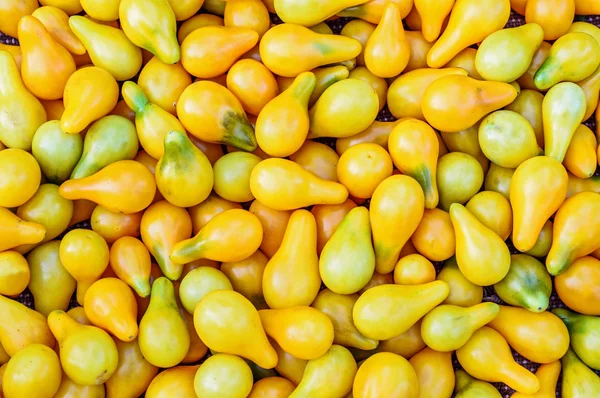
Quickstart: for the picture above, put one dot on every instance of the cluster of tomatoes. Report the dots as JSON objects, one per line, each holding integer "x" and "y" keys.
{"x": 232, "y": 253}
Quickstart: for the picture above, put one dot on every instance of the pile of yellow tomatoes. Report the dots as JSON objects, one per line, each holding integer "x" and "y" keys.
{"x": 233, "y": 254}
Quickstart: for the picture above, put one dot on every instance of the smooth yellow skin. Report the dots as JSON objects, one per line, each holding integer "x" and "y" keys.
{"x": 467, "y": 141}
{"x": 325, "y": 77}
{"x": 447, "y": 327}
{"x": 288, "y": 366}
{"x": 548, "y": 375}
{"x": 498, "y": 179}
{"x": 577, "y": 379}
{"x": 591, "y": 89}
{"x": 178, "y": 381}
{"x": 48, "y": 208}
{"x": 163, "y": 225}
{"x": 85, "y": 255}
{"x": 310, "y": 49}
{"x": 163, "y": 335}
{"x": 21, "y": 177}
{"x": 476, "y": 98}
{"x": 328, "y": 376}
{"x": 459, "y": 178}
{"x": 18, "y": 130}
{"x": 413, "y": 269}
{"x": 133, "y": 374}
{"x": 312, "y": 12}
{"x": 163, "y": 83}
{"x": 273, "y": 387}
{"x": 387, "y": 50}
{"x": 14, "y": 273}
{"x": 569, "y": 239}
{"x": 386, "y": 375}
{"x": 362, "y": 168}
{"x": 12, "y": 11}
{"x": 406, "y": 345}
{"x": 245, "y": 277}
{"x": 419, "y": 47}
{"x": 46, "y": 65}
{"x": 466, "y": 60}
{"x": 304, "y": 332}
{"x": 50, "y": 144}
{"x": 585, "y": 27}
{"x": 110, "y": 304}
{"x": 385, "y": 212}
{"x": 507, "y": 139}
{"x": 196, "y": 22}
{"x": 583, "y": 331}
{"x": 90, "y": 93}
{"x": 125, "y": 186}
{"x": 223, "y": 375}
{"x": 232, "y": 228}
{"x": 151, "y": 121}
{"x": 433, "y": 14}
{"x": 529, "y": 105}
{"x": 338, "y": 308}
{"x": 487, "y": 357}
{"x": 544, "y": 240}
{"x": 434, "y": 372}
{"x": 130, "y": 260}
{"x": 123, "y": 61}
{"x": 361, "y": 31}
{"x": 88, "y": 354}
{"x": 302, "y": 189}
{"x": 22, "y": 326}
{"x": 377, "y": 133}
{"x": 375, "y": 308}
{"x": 50, "y": 283}
{"x": 151, "y": 25}
{"x": 471, "y": 21}
{"x": 69, "y": 6}
{"x": 493, "y": 211}
{"x": 69, "y": 389}
{"x": 506, "y": 54}
{"x": 540, "y": 337}
{"x": 317, "y": 158}
{"x": 463, "y": 292}
{"x": 291, "y": 277}
{"x": 405, "y": 94}
{"x": 289, "y": 109}
{"x": 184, "y": 176}
{"x": 33, "y": 371}
{"x": 347, "y": 261}
{"x": 252, "y": 83}
{"x": 228, "y": 323}
{"x": 526, "y": 81}
{"x": 250, "y": 14}
{"x": 213, "y": 114}
{"x": 186, "y": 8}
{"x": 198, "y": 283}
{"x": 421, "y": 163}
{"x": 344, "y": 109}
{"x": 434, "y": 237}
{"x": 468, "y": 387}
{"x": 526, "y": 285}
{"x": 379, "y": 84}
{"x": 56, "y": 21}
{"x": 572, "y": 58}
{"x": 538, "y": 187}
{"x": 274, "y": 223}
{"x": 577, "y": 185}
{"x": 481, "y": 254}
{"x": 581, "y": 159}
{"x": 372, "y": 10}
{"x": 101, "y": 10}
{"x": 210, "y": 51}
{"x": 15, "y": 231}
